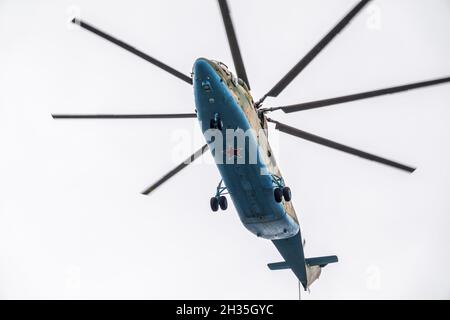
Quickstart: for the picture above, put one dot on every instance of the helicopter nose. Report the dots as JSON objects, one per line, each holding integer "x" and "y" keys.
{"x": 204, "y": 74}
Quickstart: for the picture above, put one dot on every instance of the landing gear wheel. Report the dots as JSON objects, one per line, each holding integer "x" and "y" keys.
{"x": 223, "y": 203}
{"x": 220, "y": 125}
{"x": 287, "y": 195}
{"x": 214, "y": 202}
{"x": 278, "y": 194}
{"x": 216, "y": 124}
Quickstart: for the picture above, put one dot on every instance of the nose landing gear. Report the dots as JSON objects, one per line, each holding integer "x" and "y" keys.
{"x": 216, "y": 122}
{"x": 219, "y": 200}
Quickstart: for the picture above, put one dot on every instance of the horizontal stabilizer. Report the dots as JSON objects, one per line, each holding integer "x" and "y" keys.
{"x": 306, "y": 270}
{"x": 317, "y": 261}
{"x": 278, "y": 265}
{"x": 320, "y": 261}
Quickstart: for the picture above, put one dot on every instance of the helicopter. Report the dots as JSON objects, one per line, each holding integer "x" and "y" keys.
{"x": 235, "y": 127}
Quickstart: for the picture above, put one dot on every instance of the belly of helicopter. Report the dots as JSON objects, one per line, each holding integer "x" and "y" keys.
{"x": 248, "y": 179}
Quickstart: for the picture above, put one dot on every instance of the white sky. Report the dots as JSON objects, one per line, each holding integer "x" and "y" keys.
{"x": 74, "y": 225}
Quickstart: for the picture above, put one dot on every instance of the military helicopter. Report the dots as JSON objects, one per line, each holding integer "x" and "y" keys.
{"x": 224, "y": 104}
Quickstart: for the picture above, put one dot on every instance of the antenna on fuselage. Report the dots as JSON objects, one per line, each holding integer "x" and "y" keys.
{"x": 299, "y": 291}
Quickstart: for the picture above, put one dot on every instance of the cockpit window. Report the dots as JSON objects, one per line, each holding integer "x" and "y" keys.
{"x": 234, "y": 80}
{"x": 224, "y": 67}
{"x": 243, "y": 84}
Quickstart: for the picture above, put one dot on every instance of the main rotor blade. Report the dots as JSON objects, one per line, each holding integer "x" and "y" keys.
{"x": 177, "y": 169}
{"x": 338, "y": 146}
{"x": 133, "y": 50}
{"x": 357, "y": 96}
{"x": 232, "y": 40}
{"x": 295, "y": 71}
{"x": 125, "y": 116}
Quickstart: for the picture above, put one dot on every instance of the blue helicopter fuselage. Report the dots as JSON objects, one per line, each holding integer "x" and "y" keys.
{"x": 250, "y": 179}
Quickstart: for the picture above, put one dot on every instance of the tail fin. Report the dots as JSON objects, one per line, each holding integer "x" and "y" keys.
{"x": 307, "y": 270}
{"x": 314, "y": 267}
{"x": 291, "y": 250}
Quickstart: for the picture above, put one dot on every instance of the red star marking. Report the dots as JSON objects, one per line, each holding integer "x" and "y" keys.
{"x": 233, "y": 152}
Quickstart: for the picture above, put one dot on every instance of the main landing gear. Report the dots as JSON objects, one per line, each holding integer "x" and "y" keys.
{"x": 281, "y": 191}
{"x": 219, "y": 200}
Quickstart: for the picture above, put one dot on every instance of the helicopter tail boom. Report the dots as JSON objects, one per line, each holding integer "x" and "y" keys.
{"x": 306, "y": 270}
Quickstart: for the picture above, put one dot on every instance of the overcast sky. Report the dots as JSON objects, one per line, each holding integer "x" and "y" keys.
{"x": 73, "y": 223}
